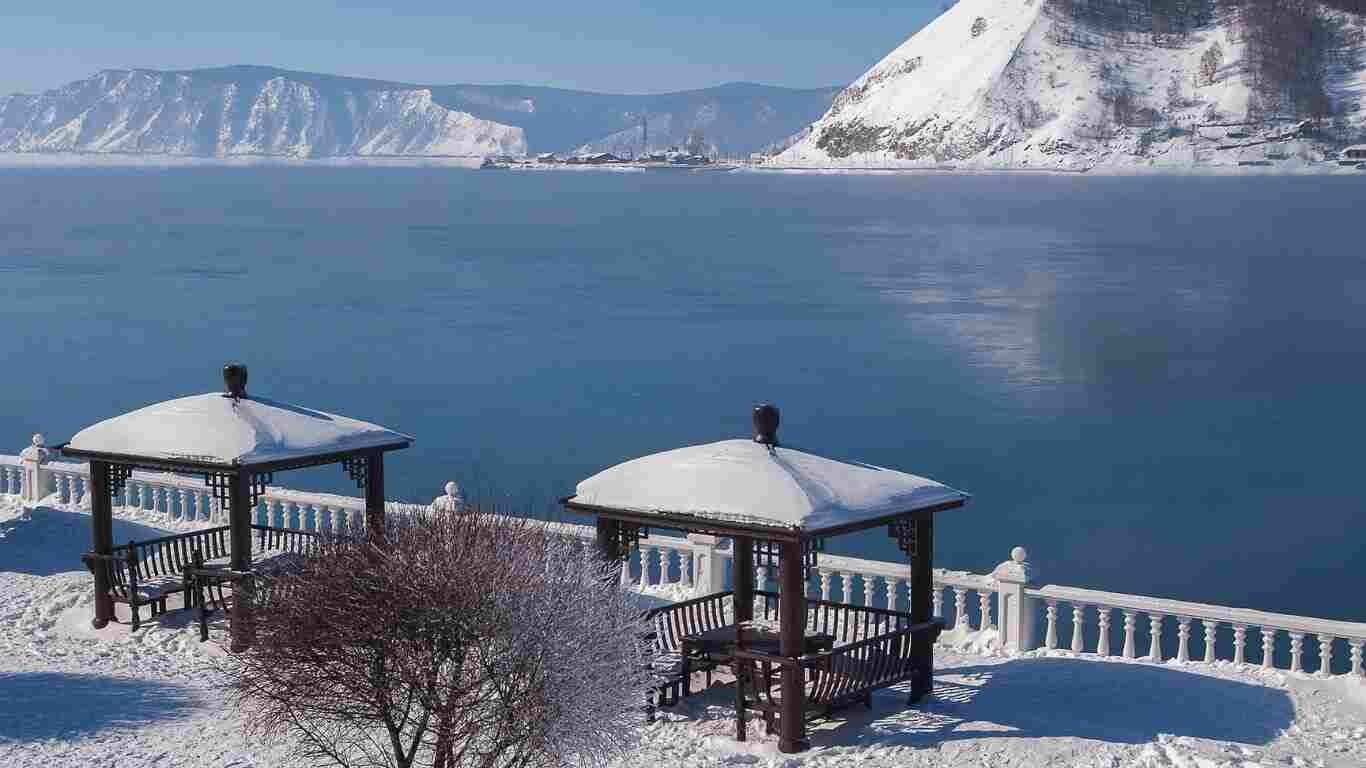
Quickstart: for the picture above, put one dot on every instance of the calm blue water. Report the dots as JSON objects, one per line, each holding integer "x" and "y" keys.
{"x": 1153, "y": 384}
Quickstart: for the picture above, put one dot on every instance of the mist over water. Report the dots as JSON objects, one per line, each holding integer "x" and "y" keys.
{"x": 1154, "y": 384}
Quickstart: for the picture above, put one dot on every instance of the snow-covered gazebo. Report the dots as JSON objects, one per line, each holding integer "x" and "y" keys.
{"x": 236, "y": 442}
{"x": 778, "y": 504}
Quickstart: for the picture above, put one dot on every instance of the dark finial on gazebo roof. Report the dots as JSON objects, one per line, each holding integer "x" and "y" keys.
{"x": 766, "y": 424}
{"x": 235, "y": 380}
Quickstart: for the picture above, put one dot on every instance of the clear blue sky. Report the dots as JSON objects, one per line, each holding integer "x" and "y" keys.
{"x": 605, "y": 45}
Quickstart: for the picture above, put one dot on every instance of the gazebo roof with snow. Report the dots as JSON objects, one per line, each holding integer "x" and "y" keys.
{"x": 217, "y": 430}
{"x": 758, "y": 487}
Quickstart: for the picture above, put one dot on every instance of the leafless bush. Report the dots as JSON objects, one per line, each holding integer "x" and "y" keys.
{"x": 462, "y": 640}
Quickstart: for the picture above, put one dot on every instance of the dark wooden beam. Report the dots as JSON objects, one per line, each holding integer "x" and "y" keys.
{"x": 791, "y": 639}
{"x": 101, "y": 540}
{"x": 240, "y": 514}
{"x": 374, "y": 497}
{"x": 922, "y": 603}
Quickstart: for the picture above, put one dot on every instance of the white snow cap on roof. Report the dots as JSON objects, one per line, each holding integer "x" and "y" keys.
{"x": 743, "y": 481}
{"x": 214, "y": 428}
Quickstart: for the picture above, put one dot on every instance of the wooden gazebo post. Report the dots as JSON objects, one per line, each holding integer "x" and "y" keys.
{"x": 239, "y": 518}
{"x": 101, "y": 540}
{"x": 791, "y": 638}
{"x": 374, "y": 497}
{"x": 922, "y": 599}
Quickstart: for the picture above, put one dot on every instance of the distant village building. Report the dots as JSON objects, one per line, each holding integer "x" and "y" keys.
{"x": 546, "y": 157}
{"x": 1353, "y": 155}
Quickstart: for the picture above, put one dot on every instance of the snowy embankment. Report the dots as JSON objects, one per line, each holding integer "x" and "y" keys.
{"x": 70, "y": 695}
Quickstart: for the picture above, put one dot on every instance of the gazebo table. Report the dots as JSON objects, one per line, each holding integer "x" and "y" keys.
{"x": 720, "y": 643}
{"x": 778, "y": 505}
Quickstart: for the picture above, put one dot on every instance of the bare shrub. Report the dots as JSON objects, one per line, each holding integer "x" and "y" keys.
{"x": 979, "y": 25}
{"x": 461, "y": 640}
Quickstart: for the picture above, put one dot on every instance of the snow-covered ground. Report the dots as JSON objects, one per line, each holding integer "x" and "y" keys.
{"x": 70, "y": 696}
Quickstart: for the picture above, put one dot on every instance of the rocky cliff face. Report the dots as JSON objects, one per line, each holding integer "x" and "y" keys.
{"x": 1081, "y": 84}
{"x": 255, "y": 112}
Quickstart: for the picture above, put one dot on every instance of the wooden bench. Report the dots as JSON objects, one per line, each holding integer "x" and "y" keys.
{"x": 672, "y": 669}
{"x": 150, "y": 572}
{"x": 875, "y": 648}
{"x": 212, "y": 585}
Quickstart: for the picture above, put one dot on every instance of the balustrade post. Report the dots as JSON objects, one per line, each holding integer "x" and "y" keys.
{"x": 711, "y": 567}
{"x": 1129, "y": 619}
{"x": 1078, "y": 628}
{"x": 825, "y": 584}
{"x": 1183, "y": 639}
{"x": 1326, "y": 655}
{"x": 1155, "y": 637}
{"x": 1268, "y": 648}
{"x": 1051, "y": 636}
{"x": 1296, "y": 651}
{"x": 960, "y": 609}
{"x": 1209, "y": 628}
{"x": 37, "y": 477}
{"x": 1015, "y": 609}
{"x": 1356, "y": 657}
{"x": 1239, "y": 644}
{"x": 1103, "y": 631}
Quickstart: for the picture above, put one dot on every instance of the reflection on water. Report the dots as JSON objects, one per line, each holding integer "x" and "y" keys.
{"x": 1153, "y": 384}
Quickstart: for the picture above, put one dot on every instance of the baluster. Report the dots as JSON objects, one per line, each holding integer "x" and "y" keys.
{"x": 65, "y": 490}
{"x": 1050, "y": 640}
{"x": 685, "y": 561}
{"x": 1296, "y": 651}
{"x": 869, "y": 590}
{"x": 960, "y": 608}
{"x": 1103, "y": 628}
{"x": 646, "y": 555}
{"x": 338, "y": 521}
{"x": 353, "y": 519}
{"x": 760, "y": 581}
{"x": 82, "y": 488}
{"x": 1129, "y": 618}
{"x": 313, "y": 515}
{"x": 893, "y": 588}
{"x": 1209, "y": 628}
{"x": 1078, "y": 628}
{"x": 984, "y": 605}
{"x": 938, "y": 597}
{"x": 666, "y": 562}
{"x": 1268, "y": 647}
{"x": 825, "y": 584}
{"x": 1183, "y": 639}
{"x": 142, "y": 497}
{"x": 1326, "y": 655}
{"x": 625, "y": 579}
{"x": 1239, "y": 644}
{"x": 1356, "y": 657}
{"x": 184, "y": 510}
{"x": 1155, "y": 637}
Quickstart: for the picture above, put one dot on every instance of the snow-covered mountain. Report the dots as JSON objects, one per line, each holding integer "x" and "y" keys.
{"x": 1080, "y": 84}
{"x": 250, "y": 110}
{"x": 256, "y": 112}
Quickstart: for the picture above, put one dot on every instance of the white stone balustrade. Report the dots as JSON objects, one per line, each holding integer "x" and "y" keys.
{"x": 700, "y": 562}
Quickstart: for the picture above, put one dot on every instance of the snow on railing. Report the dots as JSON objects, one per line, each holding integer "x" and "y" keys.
{"x": 1008, "y": 599}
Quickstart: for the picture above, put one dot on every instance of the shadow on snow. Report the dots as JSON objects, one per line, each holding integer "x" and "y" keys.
{"x": 54, "y": 540}
{"x": 1128, "y": 703}
{"x": 36, "y": 706}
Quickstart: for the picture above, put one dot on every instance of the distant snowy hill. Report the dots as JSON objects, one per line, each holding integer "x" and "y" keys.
{"x": 250, "y": 110}
{"x": 1080, "y": 84}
